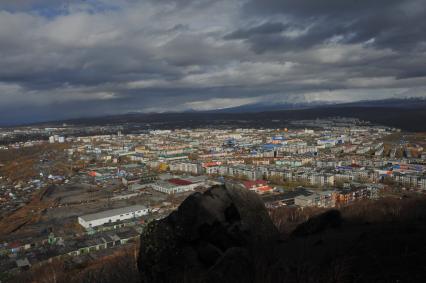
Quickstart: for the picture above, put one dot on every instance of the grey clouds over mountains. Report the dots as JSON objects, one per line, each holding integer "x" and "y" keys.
{"x": 64, "y": 59}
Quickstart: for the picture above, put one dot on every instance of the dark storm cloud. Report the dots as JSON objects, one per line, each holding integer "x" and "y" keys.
{"x": 312, "y": 8}
{"x": 397, "y": 24}
{"x": 270, "y": 36}
{"x": 263, "y": 29}
{"x": 63, "y": 59}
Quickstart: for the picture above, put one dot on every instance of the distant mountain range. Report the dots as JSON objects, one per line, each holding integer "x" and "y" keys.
{"x": 407, "y": 114}
{"x": 261, "y": 107}
{"x": 394, "y": 102}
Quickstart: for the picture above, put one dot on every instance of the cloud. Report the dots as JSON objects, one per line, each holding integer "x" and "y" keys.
{"x": 263, "y": 29}
{"x": 395, "y": 24}
{"x": 75, "y": 58}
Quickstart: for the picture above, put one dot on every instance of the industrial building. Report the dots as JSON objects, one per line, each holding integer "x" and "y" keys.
{"x": 176, "y": 185}
{"x": 111, "y": 216}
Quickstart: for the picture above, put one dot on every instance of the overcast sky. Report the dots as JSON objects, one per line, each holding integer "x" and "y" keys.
{"x": 62, "y": 59}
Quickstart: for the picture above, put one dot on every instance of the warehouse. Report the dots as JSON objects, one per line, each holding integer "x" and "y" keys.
{"x": 177, "y": 185}
{"x": 111, "y": 216}
{"x": 173, "y": 186}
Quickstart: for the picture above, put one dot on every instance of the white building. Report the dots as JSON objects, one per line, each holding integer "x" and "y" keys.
{"x": 188, "y": 167}
{"x": 305, "y": 201}
{"x": 170, "y": 188}
{"x": 111, "y": 216}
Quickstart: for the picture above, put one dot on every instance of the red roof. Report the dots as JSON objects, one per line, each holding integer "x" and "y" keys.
{"x": 264, "y": 189}
{"x": 15, "y": 245}
{"x": 179, "y": 182}
{"x": 257, "y": 183}
{"x": 92, "y": 173}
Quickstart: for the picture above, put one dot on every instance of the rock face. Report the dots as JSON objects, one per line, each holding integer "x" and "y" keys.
{"x": 319, "y": 223}
{"x": 211, "y": 236}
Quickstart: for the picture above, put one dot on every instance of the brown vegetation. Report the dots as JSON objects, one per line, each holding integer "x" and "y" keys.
{"x": 28, "y": 214}
{"x": 20, "y": 164}
{"x": 286, "y": 219}
{"x": 120, "y": 266}
{"x": 378, "y": 241}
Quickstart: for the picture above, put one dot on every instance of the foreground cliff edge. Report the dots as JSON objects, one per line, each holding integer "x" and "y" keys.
{"x": 209, "y": 237}
{"x": 226, "y": 235}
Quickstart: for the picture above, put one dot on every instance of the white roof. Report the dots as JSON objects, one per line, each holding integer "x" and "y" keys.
{"x": 112, "y": 212}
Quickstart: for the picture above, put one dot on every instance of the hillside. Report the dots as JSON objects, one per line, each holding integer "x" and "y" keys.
{"x": 406, "y": 118}
{"x": 371, "y": 241}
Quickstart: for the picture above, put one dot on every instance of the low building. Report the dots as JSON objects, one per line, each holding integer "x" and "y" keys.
{"x": 305, "y": 201}
{"x": 326, "y": 199}
{"x": 101, "y": 241}
{"x": 23, "y": 263}
{"x": 285, "y": 198}
{"x": 187, "y": 167}
{"x": 258, "y": 186}
{"x": 113, "y": 215}
{"x": 175, "y": 185}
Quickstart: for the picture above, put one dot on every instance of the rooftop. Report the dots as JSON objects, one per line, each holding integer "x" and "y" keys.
{"x": 112, "y": 212}
{"x": 179, "y": 182}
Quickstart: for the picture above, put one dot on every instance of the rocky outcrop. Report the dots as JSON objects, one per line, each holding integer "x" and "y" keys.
{"x": 211, "y": 236}
{"x": 226, "y": 235}
{"x": 319, "y": 223}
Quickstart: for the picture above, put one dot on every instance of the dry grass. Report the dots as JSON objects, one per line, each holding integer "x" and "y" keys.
{"x": 30, "y": 213}
{"x": 120, "y": 266}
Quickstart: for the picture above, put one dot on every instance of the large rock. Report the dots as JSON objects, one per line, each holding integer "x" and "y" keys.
{"x": 210, "y": 236}
{"x": 319, "y": 223}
